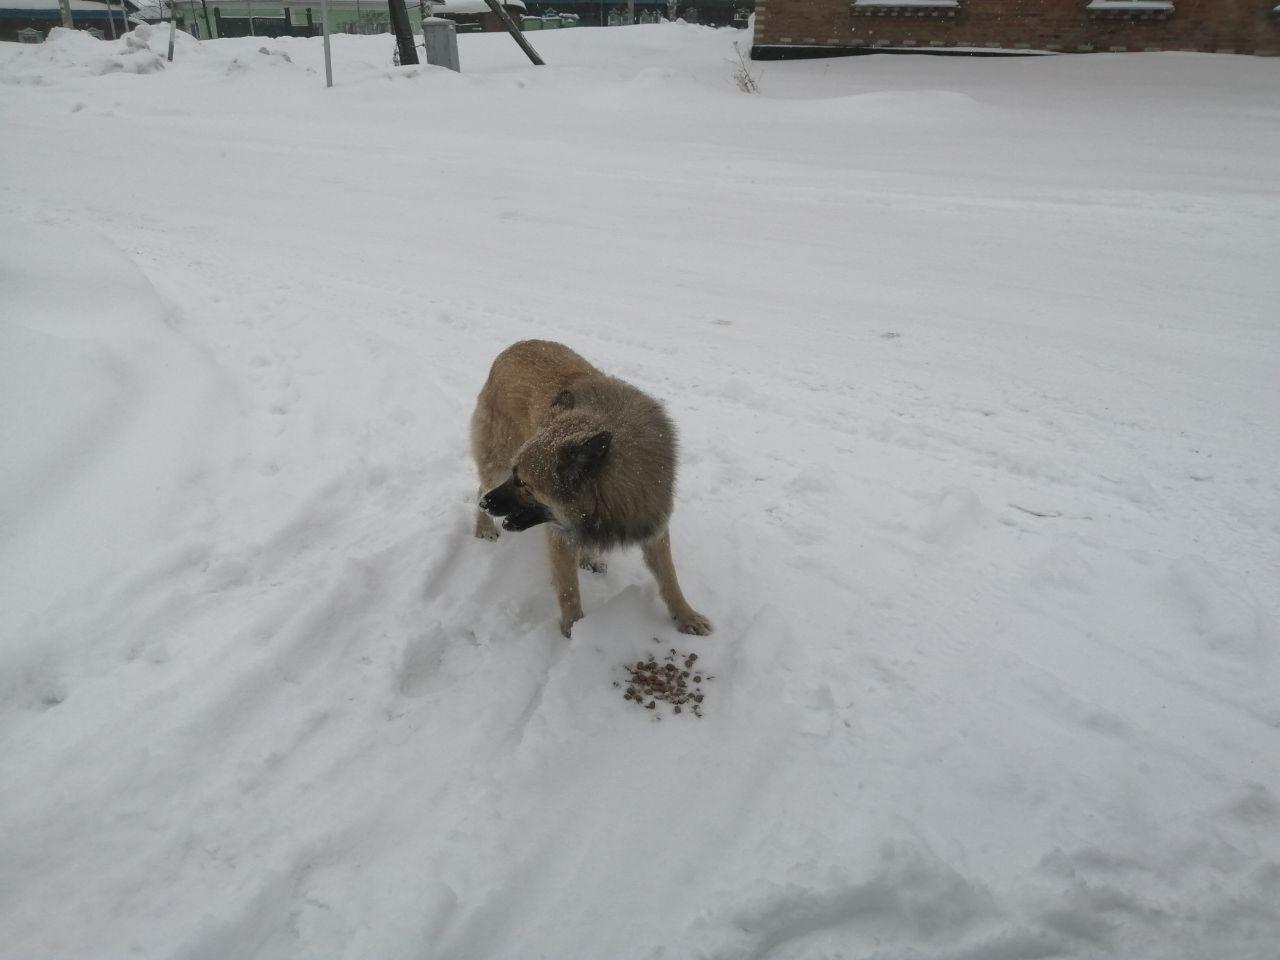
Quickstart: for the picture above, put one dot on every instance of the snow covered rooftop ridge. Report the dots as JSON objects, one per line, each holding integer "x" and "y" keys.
{"x": 85, "y": 5}
{"x": 466, "y": 7}
{"x": 471, "y": 6}
{"x": 906, "y": 3}
{"x": 1153, "y": 5}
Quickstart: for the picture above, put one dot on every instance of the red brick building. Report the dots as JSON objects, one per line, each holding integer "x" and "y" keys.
{"x": 799, "y": 28}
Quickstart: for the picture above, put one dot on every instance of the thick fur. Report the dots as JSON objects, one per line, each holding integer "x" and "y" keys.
{"x": 558, "y": 442}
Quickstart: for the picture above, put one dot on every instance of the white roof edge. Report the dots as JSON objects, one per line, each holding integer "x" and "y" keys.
{"x": 1130, "y": 5}
{"x": 906, "y": 3}
{"x": 82, "y": 6}
{"x": 441, "y": 6}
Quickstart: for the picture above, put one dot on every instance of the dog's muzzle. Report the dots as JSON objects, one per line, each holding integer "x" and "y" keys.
{"x": 526, "y": 517}
{"x": 518, "y": 512}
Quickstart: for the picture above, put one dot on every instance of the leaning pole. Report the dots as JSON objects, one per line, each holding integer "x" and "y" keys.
{"x": 515, "y": 32}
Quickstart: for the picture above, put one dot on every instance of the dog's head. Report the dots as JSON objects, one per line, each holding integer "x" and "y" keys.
{"x": 548, "y": 478}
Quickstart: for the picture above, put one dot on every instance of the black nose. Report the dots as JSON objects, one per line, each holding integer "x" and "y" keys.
{"x": 484, "y": 504}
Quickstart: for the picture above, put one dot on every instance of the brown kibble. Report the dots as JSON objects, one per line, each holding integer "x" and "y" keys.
{"x": 651, "y": 682}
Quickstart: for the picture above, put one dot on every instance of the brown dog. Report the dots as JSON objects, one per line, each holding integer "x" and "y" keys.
{"x": 558, "y": 442}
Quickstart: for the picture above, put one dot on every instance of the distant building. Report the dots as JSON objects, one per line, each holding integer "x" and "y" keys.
{"x": 43, "y": 15}
{"x": 805, "y": 28}
{"x": 301, "y": 18}
{"x": 603, "y": 13}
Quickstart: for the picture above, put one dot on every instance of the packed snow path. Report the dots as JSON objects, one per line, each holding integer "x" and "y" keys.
{"x": 975, "y": 367}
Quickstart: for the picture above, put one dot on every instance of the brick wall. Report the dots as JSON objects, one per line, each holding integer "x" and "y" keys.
{"x": 1227, "y": 26}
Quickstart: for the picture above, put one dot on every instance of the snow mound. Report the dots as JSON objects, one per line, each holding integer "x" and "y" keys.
{"x": 75, "y": 53}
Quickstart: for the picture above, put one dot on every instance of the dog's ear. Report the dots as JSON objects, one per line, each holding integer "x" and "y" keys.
{"x": 564, "y": 400}
{"x": 581, "y": 460}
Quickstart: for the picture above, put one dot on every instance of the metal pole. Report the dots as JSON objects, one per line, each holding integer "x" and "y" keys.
{"x": 173, "y": 31}
{"x": 124, "y": 18}
{"x": 324, "y": 28}
{"x": 516, "y": 33}
{"x": 252, "y": 32}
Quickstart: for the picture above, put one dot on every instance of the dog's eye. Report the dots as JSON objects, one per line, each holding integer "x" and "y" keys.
{"x": 519, "y": 484}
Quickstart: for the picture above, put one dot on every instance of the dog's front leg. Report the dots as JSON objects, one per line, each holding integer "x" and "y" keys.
{"x": 564, "y": 577}
{"x": 657, "y": 557}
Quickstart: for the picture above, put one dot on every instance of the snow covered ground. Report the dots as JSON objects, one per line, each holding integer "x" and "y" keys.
{"x": 975, "y": 363}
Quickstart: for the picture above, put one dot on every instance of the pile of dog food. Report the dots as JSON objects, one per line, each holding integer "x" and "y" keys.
{"x": 676, "y": 679}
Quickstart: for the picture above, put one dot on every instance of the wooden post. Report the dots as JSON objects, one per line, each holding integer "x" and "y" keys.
{"x": 516, "y": 33}
{"x": 404, "y": 33}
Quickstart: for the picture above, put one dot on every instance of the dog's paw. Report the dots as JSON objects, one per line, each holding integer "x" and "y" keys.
{"x": 567, "y": 621}
{"x": 693, "y": 623}
{"x": 594, "y": 564}
{"x": 485, "y": 529}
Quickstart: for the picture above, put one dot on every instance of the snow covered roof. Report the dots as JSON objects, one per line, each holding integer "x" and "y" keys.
{"x": 1130, "y": 5}
{"x": 439, "y": 6}
{"x": 86, "y": 6}
{"x": 470, "y": 6}
{"x": 906, "y": 3}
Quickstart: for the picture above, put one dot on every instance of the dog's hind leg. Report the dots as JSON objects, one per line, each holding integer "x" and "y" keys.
{"x": 657, "y": 557}
{"x": 564, "y": 577}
